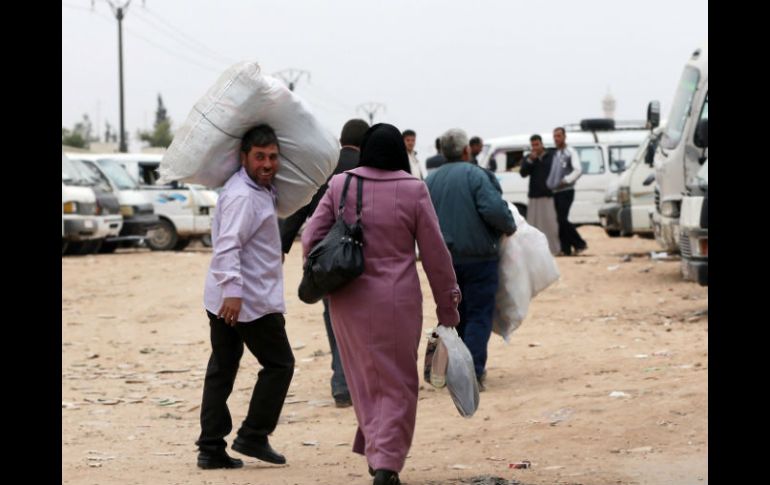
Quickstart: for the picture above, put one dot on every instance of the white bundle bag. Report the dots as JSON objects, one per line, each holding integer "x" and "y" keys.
{"x": 526, "y": 268}
{"x": 460, "y": 373}
{"x": 206, "y": 148}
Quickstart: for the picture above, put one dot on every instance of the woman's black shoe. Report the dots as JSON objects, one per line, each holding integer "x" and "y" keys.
{"x": 386, "y": 477}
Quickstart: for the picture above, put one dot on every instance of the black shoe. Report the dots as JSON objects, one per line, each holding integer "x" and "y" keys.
{"x": 210, "y": 461}
{"x": 343, "y": 401}
{"x": 261, "y": 451}
{"x": 386, "y": 477}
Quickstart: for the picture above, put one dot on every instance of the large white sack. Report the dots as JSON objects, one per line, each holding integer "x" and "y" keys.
{"x": 205, "y": 150}
{"x": 526, "y": 268}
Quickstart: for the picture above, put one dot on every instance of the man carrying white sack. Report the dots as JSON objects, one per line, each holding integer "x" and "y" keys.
{"x": 244, "y": 301}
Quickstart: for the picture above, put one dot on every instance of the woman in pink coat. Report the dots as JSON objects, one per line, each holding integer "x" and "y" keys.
{"x": 377, "y": 318}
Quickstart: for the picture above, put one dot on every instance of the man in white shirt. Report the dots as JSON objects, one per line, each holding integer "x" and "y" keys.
{"x": 410, "y": 138}
{"x": 565, "y": 171}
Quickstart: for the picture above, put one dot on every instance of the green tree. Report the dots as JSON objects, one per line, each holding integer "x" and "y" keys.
{"x": 80, "y": 136}
{"x": 161, "y": 135}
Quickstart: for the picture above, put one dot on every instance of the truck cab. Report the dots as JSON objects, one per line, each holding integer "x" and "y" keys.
{"x": 90, "y": 210}
{"x": 677, "y": 159}
{"x": 135, "y": 205}
{"x": 184, "y": 210}
{"x": 604, "y": 147}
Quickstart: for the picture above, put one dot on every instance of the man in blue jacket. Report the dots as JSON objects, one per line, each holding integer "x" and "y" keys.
{"x": 472, "y": 215}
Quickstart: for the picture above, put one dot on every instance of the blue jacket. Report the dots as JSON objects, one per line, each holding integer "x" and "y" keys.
{"x": 471, "y": 211}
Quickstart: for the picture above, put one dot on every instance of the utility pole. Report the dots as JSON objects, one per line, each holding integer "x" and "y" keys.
{"x": 371, "y": 109}
{"x": 292, "y": 76}
{"x": 120, "y": 11}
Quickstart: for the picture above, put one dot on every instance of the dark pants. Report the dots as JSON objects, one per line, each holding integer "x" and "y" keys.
{"x": 478, "y": 284}
{"x": 568, "y": 235}
{"x": 266, "y": 340}
{"x": 339, "y": 384}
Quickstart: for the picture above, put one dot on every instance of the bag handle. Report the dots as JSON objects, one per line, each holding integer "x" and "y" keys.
{"x": 341, "y": 208}
{"x": 358, "y": 200}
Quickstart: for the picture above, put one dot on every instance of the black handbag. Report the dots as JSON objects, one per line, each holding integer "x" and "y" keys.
{"x": 338, "y": 258}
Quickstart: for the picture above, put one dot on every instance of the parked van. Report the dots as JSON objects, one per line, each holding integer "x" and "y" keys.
{"x": 135, "y": 205}
{"x": 90, "y": 212}
{"x": 603, "y": 145}
{"x": 677, "y": 158}
{"x": 184, "y": 210}
{"x": 627, "y": 203}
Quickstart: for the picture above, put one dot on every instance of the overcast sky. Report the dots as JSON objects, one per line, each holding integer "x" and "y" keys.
{"x": 493, "y": 68}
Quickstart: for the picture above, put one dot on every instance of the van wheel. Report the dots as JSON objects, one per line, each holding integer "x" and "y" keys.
{"x": 108, "y": 247}
{"x": 181, "y": 243}
{"x": 90, "y": 246}
{"x": 206, "y": 240}
{"x": 163, "y": 237}
{"x": 64, "y": 246}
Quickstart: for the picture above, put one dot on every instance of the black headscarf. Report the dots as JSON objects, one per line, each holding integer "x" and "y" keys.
{"x": 383, "y": 147}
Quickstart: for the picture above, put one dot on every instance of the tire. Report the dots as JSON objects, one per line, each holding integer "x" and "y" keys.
{"x": 108, "y": 247}
{"x": 181, "y": 243}
{"x": 206, "y": 240}
{"x": 64, "y": 246}
{"x": 90, "y": 246}
{"x": 163, "y": 237}
{"x": 612, "y": 232}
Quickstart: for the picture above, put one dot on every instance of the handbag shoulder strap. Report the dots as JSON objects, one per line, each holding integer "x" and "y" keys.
{"x": 358, "y": 199}
{"x": 344, "y": 195}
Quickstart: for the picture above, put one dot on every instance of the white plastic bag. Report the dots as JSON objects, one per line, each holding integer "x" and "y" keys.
{"x": 460, "y": 374}
{"x": 205, "y": 150}
{"x": 526, "y": 268}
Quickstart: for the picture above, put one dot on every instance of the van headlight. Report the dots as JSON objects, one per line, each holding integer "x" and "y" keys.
{"x": 70, "y": 207}
{"x": 624, "y": 195}
{"x": 670, "y": 208}
{"x": 699, "y": 246}
{"x": 126, "y": 210}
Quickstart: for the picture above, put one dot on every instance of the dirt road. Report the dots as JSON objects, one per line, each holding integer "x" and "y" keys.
{"x": 135, "y": 347}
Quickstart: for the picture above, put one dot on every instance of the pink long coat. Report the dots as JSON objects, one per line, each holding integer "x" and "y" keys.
{"x": 377, "y": 318}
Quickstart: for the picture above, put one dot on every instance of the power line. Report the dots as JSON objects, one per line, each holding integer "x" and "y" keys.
{"x": 189, "y": 37}
{"x": 176, "y": 54}
{"x": 181, "y": 39}
{"x": 164, "y": 49}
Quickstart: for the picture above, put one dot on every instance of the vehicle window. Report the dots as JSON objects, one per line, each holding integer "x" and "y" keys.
{"x": 621, "y": 157}
{"x": 591, "y": 160}
{"x": 680, "y": 110}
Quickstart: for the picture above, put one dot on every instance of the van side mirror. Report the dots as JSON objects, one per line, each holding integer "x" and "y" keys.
{"x": 702, "y": 134}
{"x": 653, "y": 114}
{"x": 649, "y": 156}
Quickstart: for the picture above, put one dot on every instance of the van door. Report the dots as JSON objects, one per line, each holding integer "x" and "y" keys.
{"x": 591, "y": 186}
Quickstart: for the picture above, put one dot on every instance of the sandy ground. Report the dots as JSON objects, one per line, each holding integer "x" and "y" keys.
{"x": 135, "y": 347}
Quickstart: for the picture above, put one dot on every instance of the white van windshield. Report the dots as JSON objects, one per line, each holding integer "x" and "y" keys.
{"x": 118, "y": 174}
{"x": 73, "y": 174}
{"x": 680, "y": 110}
{"x": 591, "y": 160}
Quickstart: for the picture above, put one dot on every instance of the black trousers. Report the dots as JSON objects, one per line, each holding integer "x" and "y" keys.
{"x": 266, "y": 339}
{"x": 568, "y": 235}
